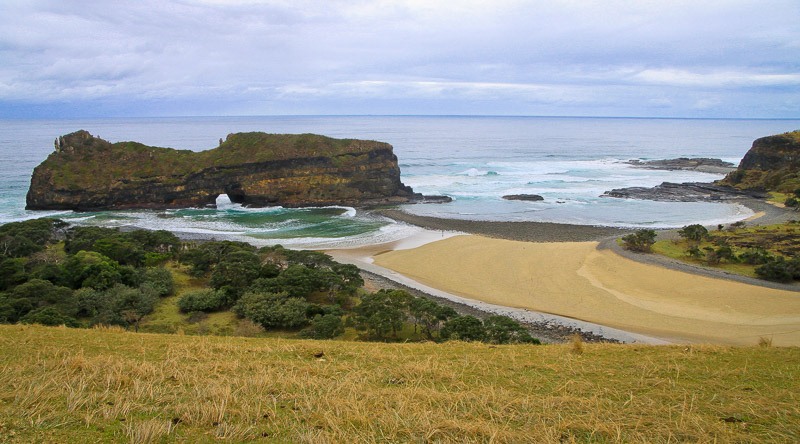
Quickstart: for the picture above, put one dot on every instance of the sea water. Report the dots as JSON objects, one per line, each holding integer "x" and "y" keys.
{"x": 474, "y": 160}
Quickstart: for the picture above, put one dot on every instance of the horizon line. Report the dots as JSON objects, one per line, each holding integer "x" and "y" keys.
{"x": 402, "y": 115}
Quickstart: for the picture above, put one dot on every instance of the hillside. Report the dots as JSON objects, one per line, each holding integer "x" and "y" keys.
{"x": 73, "y": 385}
{"x": 771, "y": 164}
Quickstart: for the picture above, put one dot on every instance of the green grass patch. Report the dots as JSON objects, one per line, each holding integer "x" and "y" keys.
{"x": 779, "y": 240}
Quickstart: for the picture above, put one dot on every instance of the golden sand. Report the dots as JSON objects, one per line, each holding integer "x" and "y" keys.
{"x": 575, "y": 279}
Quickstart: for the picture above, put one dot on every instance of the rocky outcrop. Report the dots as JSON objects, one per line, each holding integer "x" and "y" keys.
{"x": 685, "y": 192}
{"x": 524, "y": 197}
{"x": 771, "y": 164}
{"x": 699, "y": 164}
{"x": 256, "y": 169}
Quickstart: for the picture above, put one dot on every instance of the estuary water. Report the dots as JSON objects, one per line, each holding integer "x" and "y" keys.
{"x": 475, "y": 160}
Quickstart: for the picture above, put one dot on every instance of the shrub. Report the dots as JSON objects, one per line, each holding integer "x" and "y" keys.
{"x": 92, "y": 269}
{"x": 464, "y": 328}
{"x": 12, "y": 272}
{"x": 756, "y": 256}
{"x": 778, "y": 270}
{"x": 382, "y": 312}
{"x": 504, "y": 330}
{"x": 324, "y": 327}
{"x": 159, "y": 279}
{"x": 125, "y": 306}
{"x": 201, "y": 300}
{"x": 49, "y": 316}
{"x": 236, "y": 270}
{"x": 640, "y": 241}
{"x": 273, "y": 310}
{"x": 695, "y": 232}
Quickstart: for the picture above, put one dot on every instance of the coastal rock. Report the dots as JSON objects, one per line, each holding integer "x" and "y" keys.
{"x": 524, "y": 197}
{"x": 685, "y": 192}
{"x": 771, "y": 164}
{"x": 700, "y": 164}
{"x": 256, "y": 169}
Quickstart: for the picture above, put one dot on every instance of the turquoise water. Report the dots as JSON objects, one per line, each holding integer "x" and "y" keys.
{"x": 475, "y": 160}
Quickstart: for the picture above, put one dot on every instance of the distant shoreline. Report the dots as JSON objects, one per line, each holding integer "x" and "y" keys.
{"x": 520, "y": 231}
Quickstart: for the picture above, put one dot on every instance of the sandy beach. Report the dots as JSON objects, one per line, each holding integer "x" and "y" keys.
{"x": 577, "y": 280}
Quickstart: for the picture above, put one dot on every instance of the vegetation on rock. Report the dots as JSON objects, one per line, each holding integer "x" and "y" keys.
{"x": 89, "y": 173}
{"x": 771, "y": 164}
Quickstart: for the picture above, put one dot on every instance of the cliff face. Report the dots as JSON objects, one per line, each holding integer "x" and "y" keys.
{"x": 771, "y": 164}
{"x": 257, "y": 169}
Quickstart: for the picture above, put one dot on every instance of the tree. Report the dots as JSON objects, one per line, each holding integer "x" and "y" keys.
{"x": 206, "y": 300}
{"x": 49, "y": 316}
{"x": 504, "y": 330}
{"x": 464, "y": 328}
{"x": 206, "y": 255}
{"x": 756, "y": 256}
{"x": 237, "y": 270}
{"x": 324, "y": 327}
{"x": 641, "y": 241}
{"x": 429, "y": 315}
{"x": 273, "y": 310}
{"x": 92, "y": 269}
{"x": 297, "y": 280}
{"x": 350, "y": 277}
{"x": 126, "y": 306}
{"x": 694, "y": 232}
{"x": 381, "y": 313}
{"x": 18, "y": 239}
{"x": 38, "y": 293}
{"x": 779, "y": 270}
{"x": 159, "y": 279}
{"x": 12, "y": 272}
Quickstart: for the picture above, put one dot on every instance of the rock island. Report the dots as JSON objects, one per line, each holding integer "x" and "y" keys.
{"x": 257, "y": 169}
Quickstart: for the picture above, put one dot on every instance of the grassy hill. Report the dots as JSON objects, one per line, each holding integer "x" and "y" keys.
{"x": 74, "y": 385}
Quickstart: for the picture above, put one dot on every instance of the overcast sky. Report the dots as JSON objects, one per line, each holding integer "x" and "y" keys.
{"x": 664, "y": 58}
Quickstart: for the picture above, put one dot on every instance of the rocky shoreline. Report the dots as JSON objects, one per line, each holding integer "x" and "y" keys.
{"x": 699, "y": 164}
{"x": 686, "y": 192}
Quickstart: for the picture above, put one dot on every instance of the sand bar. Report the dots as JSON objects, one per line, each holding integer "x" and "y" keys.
{"x": 577, "y": 280}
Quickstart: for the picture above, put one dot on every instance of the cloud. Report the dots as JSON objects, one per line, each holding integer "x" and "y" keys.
{"x": 715, "y": 79}
{"x": 334, "y": 57}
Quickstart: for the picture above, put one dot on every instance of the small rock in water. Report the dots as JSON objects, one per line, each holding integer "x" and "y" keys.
{"x": 525, "y": 197}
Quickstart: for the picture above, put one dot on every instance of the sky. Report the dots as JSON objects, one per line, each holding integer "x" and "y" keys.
{"x": 664, "y": 58}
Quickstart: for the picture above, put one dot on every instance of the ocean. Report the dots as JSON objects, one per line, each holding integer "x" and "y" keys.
{"x": 475, "y": 160}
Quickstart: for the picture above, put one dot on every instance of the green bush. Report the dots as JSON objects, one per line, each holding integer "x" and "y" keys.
{"x": 778, "y": 270}
{"x": 324, "y": 327}
{"x": 273, "y": 310}
{"x": 504, "y": 330}
{"x": 201, "y": 300}
{"x": 641, "y": 241}
{"x": 694, "y": 232}
{"x": 381, "y": 313}
{"x": 49, "y": 316}
{"x": 756, "y": 256}
{"x": 464, "y": 328}
{"x": 159, "y": 279}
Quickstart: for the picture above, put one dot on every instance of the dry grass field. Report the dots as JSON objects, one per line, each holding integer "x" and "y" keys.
{"x": 70, "y": 385}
